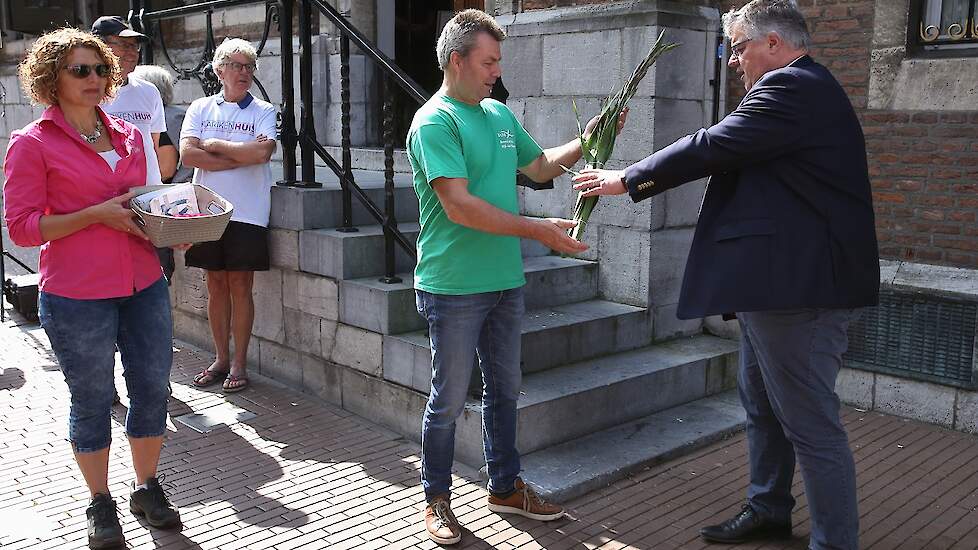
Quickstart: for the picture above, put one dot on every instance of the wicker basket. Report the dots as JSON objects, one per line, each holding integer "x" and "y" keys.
{"x": 167, "y": 230}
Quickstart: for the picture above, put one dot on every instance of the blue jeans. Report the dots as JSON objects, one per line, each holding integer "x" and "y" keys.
{"x": 84, "y": 335}
{"x": 487, "y": 324}
{"x": 789, "y": 361}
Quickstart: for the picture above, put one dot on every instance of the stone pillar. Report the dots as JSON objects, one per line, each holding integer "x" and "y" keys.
{"x": 583, "y": 54}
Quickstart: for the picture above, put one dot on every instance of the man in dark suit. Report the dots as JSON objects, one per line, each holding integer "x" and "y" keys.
{"x": 786, "y": 239}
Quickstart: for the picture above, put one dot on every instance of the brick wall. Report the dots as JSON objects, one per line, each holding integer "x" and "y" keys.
{"x": 923, "y": 165}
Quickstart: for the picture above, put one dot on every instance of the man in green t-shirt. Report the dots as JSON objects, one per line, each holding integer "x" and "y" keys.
{"x": 464, "y": 150}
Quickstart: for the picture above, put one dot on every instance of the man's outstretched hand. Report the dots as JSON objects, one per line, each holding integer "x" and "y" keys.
{"x": 593, "y": 182}
{"x": 552, "y": 232}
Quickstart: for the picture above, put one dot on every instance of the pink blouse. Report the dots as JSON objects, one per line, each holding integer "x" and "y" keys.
{"x": 50, "y": 170}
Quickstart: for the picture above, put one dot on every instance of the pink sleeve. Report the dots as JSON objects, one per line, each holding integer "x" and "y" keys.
{"x": 25, "y": 190}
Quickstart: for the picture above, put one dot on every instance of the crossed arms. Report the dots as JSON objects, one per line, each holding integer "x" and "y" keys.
{"x": 217, "y": 154}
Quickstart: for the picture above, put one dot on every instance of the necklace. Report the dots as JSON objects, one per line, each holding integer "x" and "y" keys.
{"x": 93, "y": 137}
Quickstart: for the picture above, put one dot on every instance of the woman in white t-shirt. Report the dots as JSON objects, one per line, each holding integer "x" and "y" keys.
{"x": 230, "y": 138}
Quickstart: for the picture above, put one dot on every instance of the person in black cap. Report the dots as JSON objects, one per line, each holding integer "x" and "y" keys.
{"x": 137, "y": 102}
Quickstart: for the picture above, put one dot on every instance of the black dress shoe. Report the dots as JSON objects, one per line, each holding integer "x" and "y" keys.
{"x": 746, "y": 526}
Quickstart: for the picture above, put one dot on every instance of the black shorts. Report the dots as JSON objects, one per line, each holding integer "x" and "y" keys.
{"x": 242, "y": 247}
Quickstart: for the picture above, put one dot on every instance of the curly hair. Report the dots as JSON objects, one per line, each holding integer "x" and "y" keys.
{"x": 48, "y": 55}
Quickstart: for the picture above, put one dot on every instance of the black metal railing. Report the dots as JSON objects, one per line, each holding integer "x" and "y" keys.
{"x": 305, "y": 138}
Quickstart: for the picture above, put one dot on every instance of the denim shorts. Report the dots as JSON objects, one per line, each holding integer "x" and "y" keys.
{"x": 85, "y": 334}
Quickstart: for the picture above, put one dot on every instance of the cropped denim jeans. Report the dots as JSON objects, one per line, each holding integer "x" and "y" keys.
{"x": 461, "y": 327}
{"x": 84, "y": 335}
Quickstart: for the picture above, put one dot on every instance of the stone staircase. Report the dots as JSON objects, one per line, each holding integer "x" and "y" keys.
{"x": 599, "y": 398}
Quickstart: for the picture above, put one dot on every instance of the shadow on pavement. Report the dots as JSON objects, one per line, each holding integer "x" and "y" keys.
{"x": 12, "y": 378}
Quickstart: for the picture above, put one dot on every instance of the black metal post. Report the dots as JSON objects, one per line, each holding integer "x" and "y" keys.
{"x": 307, "y": 124}
{"x": 287, "y": 135}
{"x": 141, "y": 26}
{"x": 390, "y": 221}
{"x": 345, "y": 143}
{"x": 133, "y": 18}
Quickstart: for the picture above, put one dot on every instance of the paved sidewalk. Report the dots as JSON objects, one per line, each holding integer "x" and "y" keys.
{"x": 304, "y": 474}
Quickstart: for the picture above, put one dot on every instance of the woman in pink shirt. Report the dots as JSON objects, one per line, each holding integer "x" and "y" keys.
{"x": 67, "y": 180}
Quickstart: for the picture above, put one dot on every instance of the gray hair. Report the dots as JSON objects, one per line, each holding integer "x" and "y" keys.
{"x": 231, "y": 46}
{"x": 760, "y": 17}
{"x": 159, "y": 77}
{"x": 461, "y": 32}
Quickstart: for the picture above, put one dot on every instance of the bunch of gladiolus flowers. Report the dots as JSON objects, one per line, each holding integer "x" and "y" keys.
{"x": 598, "y": 146}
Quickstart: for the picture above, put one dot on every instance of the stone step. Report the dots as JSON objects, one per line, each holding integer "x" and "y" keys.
{"x": 371, "y": 304}
{"x": 353, "y": 255}
{"x": 552, "y": 336}
{"x": 577, "y": 400}
{"x": 299, "y": 208}
{"x": 566, "y": 471}
{"x": 371, "y": 158}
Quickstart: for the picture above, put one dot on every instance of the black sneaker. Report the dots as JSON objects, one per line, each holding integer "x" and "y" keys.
{"x": 104, "y": 530}
{"x": 152, "y": 504}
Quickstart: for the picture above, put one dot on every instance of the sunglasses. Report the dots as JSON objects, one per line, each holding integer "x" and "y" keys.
{"x": 82, "y": 71}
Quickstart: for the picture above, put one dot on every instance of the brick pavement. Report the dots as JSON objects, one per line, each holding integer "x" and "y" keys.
{"x": 305, "y": 475}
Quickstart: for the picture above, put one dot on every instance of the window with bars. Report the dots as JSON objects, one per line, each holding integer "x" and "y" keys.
{"x": 946, "y": 26}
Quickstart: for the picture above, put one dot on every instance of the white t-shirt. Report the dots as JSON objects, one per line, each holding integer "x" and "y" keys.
{"x": 248, "y": 188}
{"x": 139, "y": 104}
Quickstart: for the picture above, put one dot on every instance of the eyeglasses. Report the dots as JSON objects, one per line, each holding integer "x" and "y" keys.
{"x": 82, "y": 71}
{"x": 737, "y": 50}
{"x": 238, "y": 67}
{"x": 125, "y": 46}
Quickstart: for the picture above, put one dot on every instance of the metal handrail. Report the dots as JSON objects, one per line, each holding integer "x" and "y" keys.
{"x": 406, "y": 83}
{"x": 374, "y": 210}
{"x": 200, "y": 7}
{"x": 305, "y": 136}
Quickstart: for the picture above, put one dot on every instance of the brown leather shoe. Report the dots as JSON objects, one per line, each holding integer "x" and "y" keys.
{"x": 525, "y": 502}
{"x": 440, "y": 522}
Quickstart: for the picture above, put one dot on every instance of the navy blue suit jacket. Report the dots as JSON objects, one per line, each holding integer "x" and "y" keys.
{"x": 787, "y": 219}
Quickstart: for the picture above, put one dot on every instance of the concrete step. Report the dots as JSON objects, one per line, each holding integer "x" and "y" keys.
{"x": 552, "y": 336}
{"x": 354, "y": 255}
{"x": 576, "y": 400}
{"x": 566, "y": 471}
{"x": 390, "y": 308}
{"x": 371, "y": 158}
{"x": 304, "y": 208}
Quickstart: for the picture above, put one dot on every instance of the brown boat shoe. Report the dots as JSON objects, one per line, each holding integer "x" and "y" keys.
{"x": 440, "y": 522}
{"x": 525, "y": 502}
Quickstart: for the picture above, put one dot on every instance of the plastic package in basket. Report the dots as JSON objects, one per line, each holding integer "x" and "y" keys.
{"x": 177, "y": 214}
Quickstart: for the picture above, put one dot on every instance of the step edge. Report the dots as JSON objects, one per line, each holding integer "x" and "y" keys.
{"x": 608, "y": 471}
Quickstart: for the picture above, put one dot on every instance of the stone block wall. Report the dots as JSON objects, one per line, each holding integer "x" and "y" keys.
{"x": 582, "y": 54}
{"x": 297, "y": 337}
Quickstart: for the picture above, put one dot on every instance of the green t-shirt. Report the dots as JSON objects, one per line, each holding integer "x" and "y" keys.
{"x": 484, "y": 144}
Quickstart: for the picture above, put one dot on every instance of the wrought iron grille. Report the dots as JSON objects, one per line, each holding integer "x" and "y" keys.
{"x": 919, "y": 336}
{"x": 946, "y": 24}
